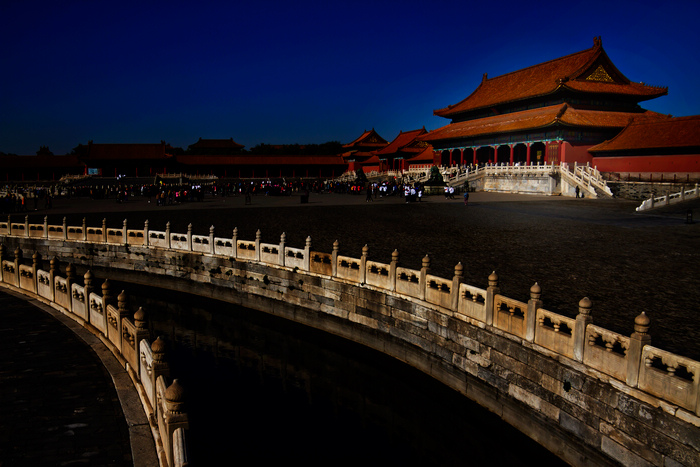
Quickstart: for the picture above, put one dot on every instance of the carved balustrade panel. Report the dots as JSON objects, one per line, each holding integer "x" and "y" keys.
{"x": 200, "y": 243}
{"x": 62, "y": 296}
{"x": 114, "y": 327}
{"x": 157, "y": 238}
{"x": 321, "y": 263}
{"x": 270, "y": 253}
{"x": 223, "y": 246}
{"x": 349, "y": 268}
{"x": 115, "y": 235}
{"x": 36, "y": 230}
{"x": 510, "y": 315}
{"x": 245, "y": 249}
{"x": 8, "y": 272}
{"x": 294, "y": 257}
{"x": 179, "y": 241}
{"x": 606, "y": 351}
{"x": 55, "y": 232}
{"x": 408, "y": 282}
{"x": 98, "y": 317}
{"x": 670, "y": 377}
{"x": 44, "y": 288}
{"x": 128, "y": 347}
{"x": 17, "y": 229}
{"x": 438, "y": 291}
{"x": 377, "y": 274}
{"x": 472, "y": 302}
{"x": 135, "y": 237}
{"x": 78, "y": 297}
{"x": 4, "y": 230}
{"x": 74, "y": 233}
{"x": 555, "y": 332}
{"x": 26, "y": 278}
{"x": 146, "y": 370}
{"x": 95, "y": 234}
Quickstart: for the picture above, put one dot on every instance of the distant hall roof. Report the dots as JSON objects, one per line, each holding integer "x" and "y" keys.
{"x": 217, "y": 144}
{"x": 543, "y": 117}
{"x": 588, "y": 71}
{"x": 681, "y": 132}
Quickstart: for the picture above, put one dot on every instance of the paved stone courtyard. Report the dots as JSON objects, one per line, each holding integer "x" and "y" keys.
{"x": 625, "y": 262}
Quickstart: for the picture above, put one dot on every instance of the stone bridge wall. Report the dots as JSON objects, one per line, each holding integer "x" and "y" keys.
{"x": 587, "y": 394}
{"x": 127, "y": 338}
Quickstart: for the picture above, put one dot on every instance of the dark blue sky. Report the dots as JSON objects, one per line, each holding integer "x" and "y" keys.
{"x": 304, "y": 71}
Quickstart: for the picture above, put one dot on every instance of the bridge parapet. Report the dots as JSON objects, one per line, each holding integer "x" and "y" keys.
{"x": 126, "y": 338}
{"x": 550, "y": 362}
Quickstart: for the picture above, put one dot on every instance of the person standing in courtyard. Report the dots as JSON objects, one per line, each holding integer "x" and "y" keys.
{"x": 466, "y": 197}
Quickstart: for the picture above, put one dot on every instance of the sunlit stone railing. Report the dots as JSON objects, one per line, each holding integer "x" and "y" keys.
{"x": 673, "y": 198}
{"x": 126, "y": 337}
{"x": 629, "y": 361}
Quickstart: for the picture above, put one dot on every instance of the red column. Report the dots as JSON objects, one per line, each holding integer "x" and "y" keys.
{"x": 511, "y": 154}
{"x": 495, "y": 154}
{"x": 527, "y": 160}
{"x": 546, "y": 150}
{"x": 475, "y": 162}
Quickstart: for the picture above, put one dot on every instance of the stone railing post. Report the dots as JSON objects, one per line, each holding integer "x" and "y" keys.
{"x": 160, "y": 364}
{"x": 46, "y": 227}
{"x": 307, "y": 254}
{"x": 88, "y": 289}
{"x": 234, "y": 243}
{"x": 280, "y": 252}
{"x": 425, "y": 268}
{"x": 174, "y": 416}
{"x": 125, "y": 237}
{"x": 53, "y": 267}
{"x": 363, "y": 264}
{"x": 454, "y": 291}
{"x": 639, "y": 338}
{"x": 141, "y": 325}
{"x": 2, "y": 257}
{"x": 104, "y": 230}
{"x": 26, "y": 225}
{"x": 36, "y": 257}
{"x": 70, "y": 278}
{"x": 334, "y": 258}
{"x": 532, "y": 305}
{"x": 167, "y": 235}
{"x": 65, "y": 229}
{"x": 146, "y": 240}
{"x": 18, "y": 261}
{"x": 84, "y": 230}
{"x": 491, "y": 292}
{"x": 212, "y": 247}
{"x": 392, "y": 269}
{"x": 258, "y": 236}
{"x": 106, "y": 295}
{"x": 582, "y": 320}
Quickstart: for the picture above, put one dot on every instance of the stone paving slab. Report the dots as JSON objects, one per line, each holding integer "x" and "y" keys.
{"x": 58, "y": 402}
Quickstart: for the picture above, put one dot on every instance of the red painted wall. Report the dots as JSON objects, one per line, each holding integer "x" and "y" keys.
{"x": 642, "y": 164}
{"x": 578, "y": 154}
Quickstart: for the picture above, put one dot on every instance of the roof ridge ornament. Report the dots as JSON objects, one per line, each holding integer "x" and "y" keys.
{"x": 597, "y": 41}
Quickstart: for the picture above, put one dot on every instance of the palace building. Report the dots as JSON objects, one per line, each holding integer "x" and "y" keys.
{"x": 562, "y": 110}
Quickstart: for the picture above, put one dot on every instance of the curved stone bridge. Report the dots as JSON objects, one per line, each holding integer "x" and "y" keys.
{"x": 587, "y": 394}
